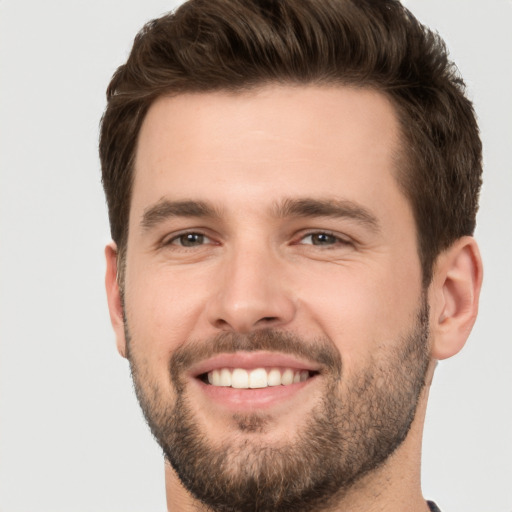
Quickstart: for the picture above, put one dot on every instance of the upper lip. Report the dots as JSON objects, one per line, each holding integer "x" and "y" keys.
{"x": 252, "y": 360}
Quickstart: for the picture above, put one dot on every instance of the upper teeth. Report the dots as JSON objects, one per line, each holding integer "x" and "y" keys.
{"x": 257, "y": 378}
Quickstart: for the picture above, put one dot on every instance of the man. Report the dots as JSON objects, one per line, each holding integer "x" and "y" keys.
{"x": 292, "y": 189}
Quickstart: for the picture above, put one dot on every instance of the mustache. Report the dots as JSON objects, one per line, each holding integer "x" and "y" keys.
{"x": 319, "y": 350}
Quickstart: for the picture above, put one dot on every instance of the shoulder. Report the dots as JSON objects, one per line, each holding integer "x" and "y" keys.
{"x": 433, "y": 507}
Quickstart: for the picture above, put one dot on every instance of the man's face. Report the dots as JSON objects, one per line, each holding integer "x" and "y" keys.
{"x": 270, "y": 246}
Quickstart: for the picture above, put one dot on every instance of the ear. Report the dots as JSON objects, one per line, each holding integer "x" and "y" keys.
{"x": 114, "y": 297}
{"x": 455, "y": 293}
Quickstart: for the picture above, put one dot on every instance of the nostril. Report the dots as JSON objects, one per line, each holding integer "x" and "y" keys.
{"x": 268, "y": 319}
{"x": 221, "y": 324}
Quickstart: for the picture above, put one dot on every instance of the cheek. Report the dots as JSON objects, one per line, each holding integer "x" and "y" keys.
{"x": 362, "y": 308}
{"x": 163, "y": 305}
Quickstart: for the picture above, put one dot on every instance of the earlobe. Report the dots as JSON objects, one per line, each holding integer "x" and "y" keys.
{"x": 456, "y": 290}
{"x": 114, "y": 297}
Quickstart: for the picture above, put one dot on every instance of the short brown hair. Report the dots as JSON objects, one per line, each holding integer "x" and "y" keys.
{"x": 235, "y": 45}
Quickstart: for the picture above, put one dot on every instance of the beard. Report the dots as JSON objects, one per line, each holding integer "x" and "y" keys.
{"x": 358, "y": 423}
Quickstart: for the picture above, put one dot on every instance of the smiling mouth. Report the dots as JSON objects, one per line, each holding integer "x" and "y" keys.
{"x": 257, "y": 378}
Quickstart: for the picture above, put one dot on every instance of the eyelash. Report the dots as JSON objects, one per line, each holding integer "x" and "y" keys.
{"x": 337, "y": 240}
{"x": 170, "y": 241}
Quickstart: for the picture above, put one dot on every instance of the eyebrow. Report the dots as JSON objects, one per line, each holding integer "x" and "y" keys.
{"x": 166, "y": 209}
{"x": 304, "y": 208}
{"x": 309, "y": 208}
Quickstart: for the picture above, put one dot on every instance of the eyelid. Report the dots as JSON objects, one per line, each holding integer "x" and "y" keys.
{"x": 343, "y": 239}
{"x": 169, "y": 238}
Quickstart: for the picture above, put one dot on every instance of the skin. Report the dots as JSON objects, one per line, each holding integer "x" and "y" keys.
{"x": 244, "y": 154}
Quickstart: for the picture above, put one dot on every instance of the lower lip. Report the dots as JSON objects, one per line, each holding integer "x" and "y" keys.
{"x": 250, "y": 399}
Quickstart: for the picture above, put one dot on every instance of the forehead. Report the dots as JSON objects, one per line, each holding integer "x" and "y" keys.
{"x": 266, "y": 144}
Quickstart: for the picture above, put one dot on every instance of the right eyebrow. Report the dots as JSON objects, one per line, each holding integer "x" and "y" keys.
{"x": 166, "y": 209}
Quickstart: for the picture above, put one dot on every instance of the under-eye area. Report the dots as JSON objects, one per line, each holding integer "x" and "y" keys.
{"x": 241, "y": 378}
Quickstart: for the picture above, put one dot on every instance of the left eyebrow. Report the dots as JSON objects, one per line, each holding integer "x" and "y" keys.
{"x": 308, "y": 207}
{"x": 166, "y": 209}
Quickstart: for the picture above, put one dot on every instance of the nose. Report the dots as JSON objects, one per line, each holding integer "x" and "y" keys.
{"x": 251, "y": 292}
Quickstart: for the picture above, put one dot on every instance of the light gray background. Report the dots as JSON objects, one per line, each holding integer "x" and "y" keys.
{"x": 71, "y": 434}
